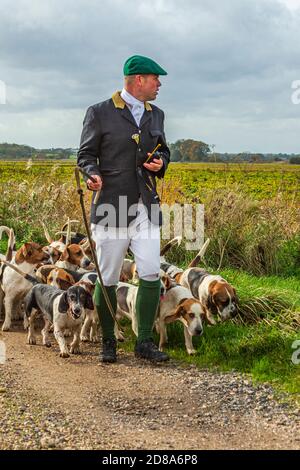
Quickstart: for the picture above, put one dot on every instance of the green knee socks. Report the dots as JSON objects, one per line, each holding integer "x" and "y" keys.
{"x": 146, "y": 305}
{"x": 105, "y": 318}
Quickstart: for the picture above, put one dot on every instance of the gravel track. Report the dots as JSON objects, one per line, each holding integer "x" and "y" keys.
{"x": 47, "y": 402}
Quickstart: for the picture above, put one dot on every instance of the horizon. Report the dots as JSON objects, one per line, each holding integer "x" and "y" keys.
{"x": 169, "y": 143}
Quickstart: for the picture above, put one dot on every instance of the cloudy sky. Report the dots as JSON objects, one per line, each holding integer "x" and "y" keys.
{"x": 230, "y": 67}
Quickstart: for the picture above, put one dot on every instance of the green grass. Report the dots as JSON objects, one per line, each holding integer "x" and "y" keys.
{"x": 264, "y": 351}
{"x": 258, "y": 350}
{"x": 249, "y": 285}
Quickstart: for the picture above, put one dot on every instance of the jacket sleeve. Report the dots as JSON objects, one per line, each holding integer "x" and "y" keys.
{"x": 164, "y": 151}
{"x": 88, "y": 153}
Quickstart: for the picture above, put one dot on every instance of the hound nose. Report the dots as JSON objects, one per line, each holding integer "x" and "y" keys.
{"x": 77, "y": 311}
{"x": 198, "y": 331}
{"x": 86, "y": 262}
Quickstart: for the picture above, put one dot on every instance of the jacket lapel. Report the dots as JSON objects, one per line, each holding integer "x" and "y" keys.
{"x": 125, "y": 112}
{"x": 145, "y": 118}
{"x": 127, "y": 115}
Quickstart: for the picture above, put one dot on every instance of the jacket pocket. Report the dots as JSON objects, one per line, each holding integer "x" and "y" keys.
{"x": 108, "y": 172}
{"x": 155, "y": 133}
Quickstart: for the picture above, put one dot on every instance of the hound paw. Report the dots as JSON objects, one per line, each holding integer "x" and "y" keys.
{"x": 31, "y": 340}
{"x": 84, "y": 339}
{"x": 94, "y": 339}
{"x": 120, "y": 337}
{"x": 6, "y": 326}
{"x": 64, "y": 354}
{"x": 75, "y": 350}
{"x": 47, "y": 344}
{"x": 191, "y": 351}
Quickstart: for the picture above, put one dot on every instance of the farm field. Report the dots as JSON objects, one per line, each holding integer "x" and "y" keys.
{"x": 259, "y": 180}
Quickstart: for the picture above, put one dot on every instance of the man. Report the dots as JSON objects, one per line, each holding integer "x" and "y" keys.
{"x": 118, "y": 137}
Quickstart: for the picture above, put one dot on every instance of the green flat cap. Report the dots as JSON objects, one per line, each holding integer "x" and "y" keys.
{"x": 138, "y": 64}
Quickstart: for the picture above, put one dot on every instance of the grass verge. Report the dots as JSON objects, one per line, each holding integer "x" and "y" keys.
{"x": 259, "y": 350}
{"x": 262, "y": 348}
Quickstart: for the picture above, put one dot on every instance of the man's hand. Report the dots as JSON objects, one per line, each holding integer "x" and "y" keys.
{"x": 95, "y": 186}
{"x": 155, "y": 165}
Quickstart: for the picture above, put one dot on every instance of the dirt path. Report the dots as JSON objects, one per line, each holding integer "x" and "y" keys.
{"x": 76, "y": 403}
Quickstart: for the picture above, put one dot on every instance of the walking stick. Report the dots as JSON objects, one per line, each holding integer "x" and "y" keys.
{"x": 87, "y": 228}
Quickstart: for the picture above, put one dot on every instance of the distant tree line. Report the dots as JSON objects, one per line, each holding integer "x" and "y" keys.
{"x": 23, "y": 152}
{"x": 189, "y": 150}
{"x": 183, "y": 150}
{"x": 295, "y": 160}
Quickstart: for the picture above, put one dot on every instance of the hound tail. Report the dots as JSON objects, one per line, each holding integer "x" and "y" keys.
{"x": 11, "y": 246}
{"x": 66, "y": 237}
{"x": 199, "y": 255}
{"x": 168, "y": 246}
{"x": 47, "y": 235}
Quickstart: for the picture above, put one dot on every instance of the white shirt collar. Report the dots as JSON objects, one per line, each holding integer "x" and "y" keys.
{"x": 135, "y": 106}
{"x": 129, "y": 99}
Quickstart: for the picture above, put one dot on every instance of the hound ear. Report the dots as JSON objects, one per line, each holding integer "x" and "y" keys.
{"x": 56, "y": 254}
{"x": 70, "y": 279}
{"x": 210, "y": 303}
{"x": 207, "y": 317}
{"x": 65, "y": 254}
{"x": 46, "y": 270}
{"x": 171, "y": 318}
{"x": 203, "y": 314}
{"x": 64, "y": 284}
{"x": 63, "y": 303}
{"x": 90, "y": 288}
{"x": 211, "y": 309}
{"x": 19, "y": 258}
{"x": 176, "y": 315}
{"x": 168, "y": 282}
{"x": 89, "y": 301}
{"x": 27, "y": 250}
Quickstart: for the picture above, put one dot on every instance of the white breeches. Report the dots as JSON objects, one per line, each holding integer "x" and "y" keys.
{"x": 112, "y": 243}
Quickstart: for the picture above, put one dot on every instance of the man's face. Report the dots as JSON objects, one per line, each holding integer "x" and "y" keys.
{"x": 149, "y": 86}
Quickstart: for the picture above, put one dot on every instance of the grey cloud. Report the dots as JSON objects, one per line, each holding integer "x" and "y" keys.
{"x": 231, "y": 62}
